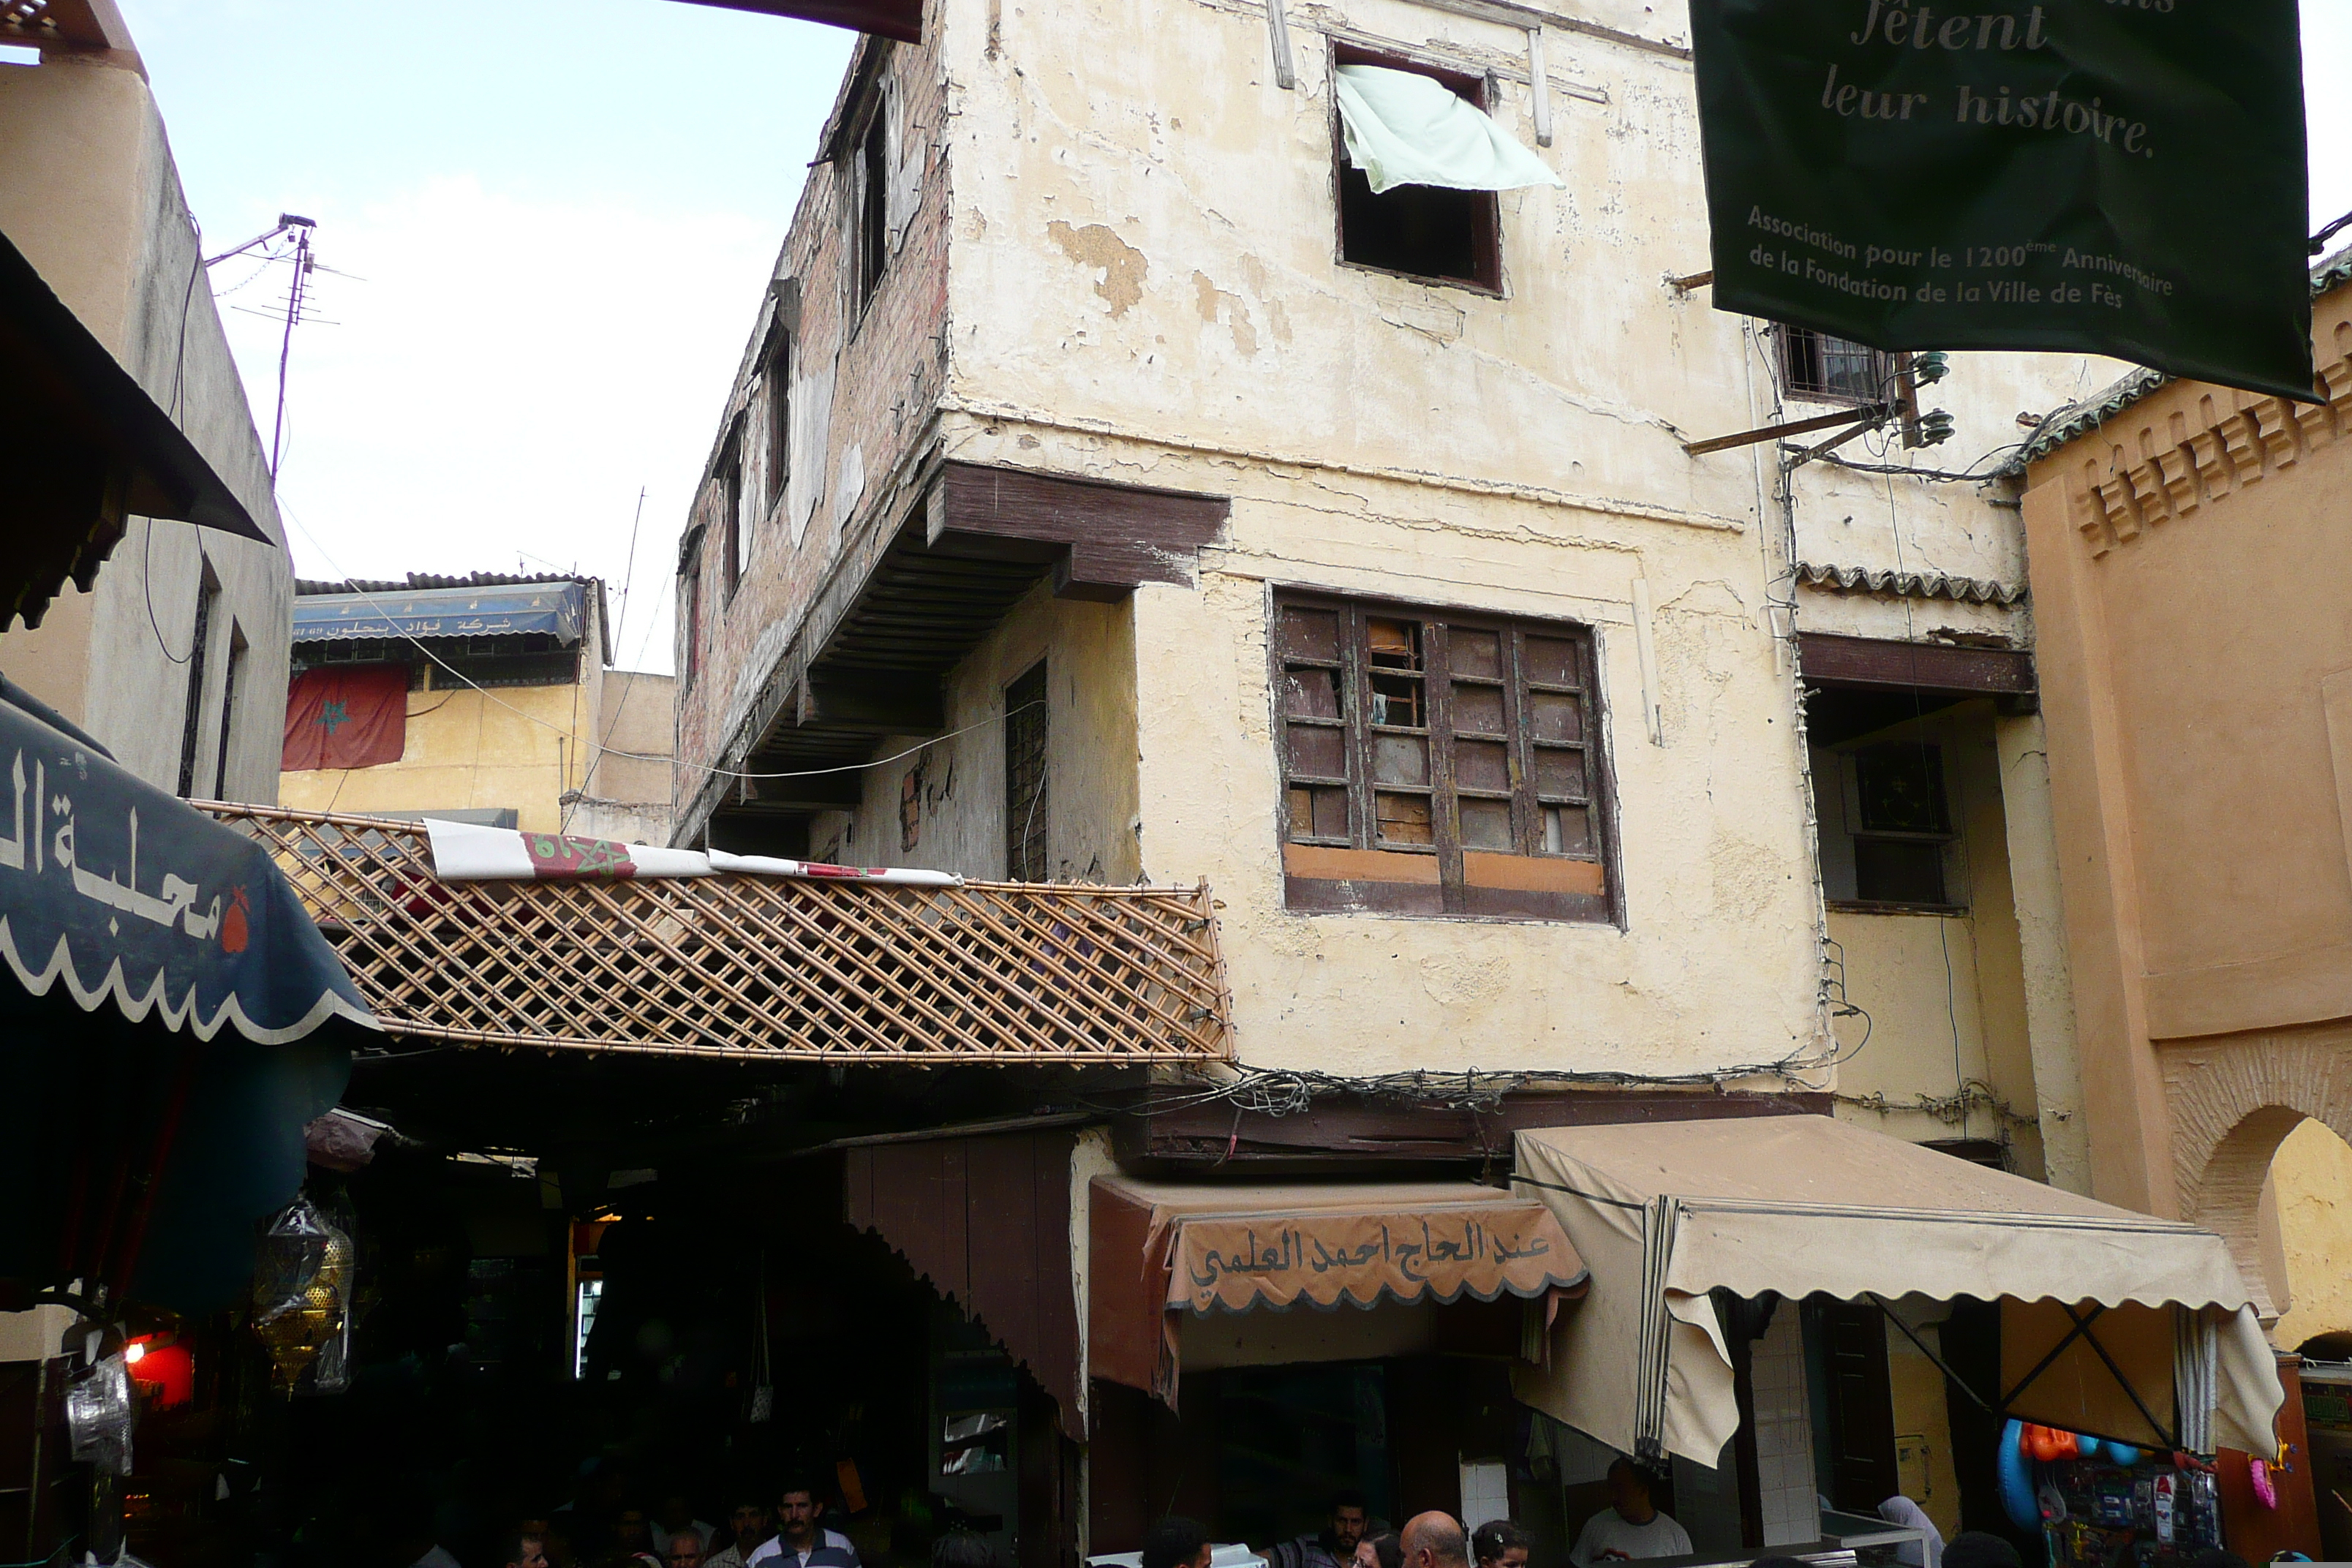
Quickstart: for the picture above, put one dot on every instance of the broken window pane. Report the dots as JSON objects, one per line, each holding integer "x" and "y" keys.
{"x": 1566, "y": 830}
{"x": 1396, "y": 699}
{"x": 1403, "y": 818}
{"x": 1487, "y": 825}
{"x": 1477, "y": 709}
{"x": 1481, "y": 764}
{"x": 1313, "y": 693}
{"x": 1393, "y": 643}
{"x": 1319, "y": 751}
{"x": 1552, "y": 716}
{"x": 1400, "y": 759}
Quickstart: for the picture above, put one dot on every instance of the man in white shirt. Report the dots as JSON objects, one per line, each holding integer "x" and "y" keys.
{"x": 802, "y": 1539}
{"x": 1631, "y": 1527}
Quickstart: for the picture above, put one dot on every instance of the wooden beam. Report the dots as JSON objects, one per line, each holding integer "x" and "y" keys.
{"x": 1882, "y": 663}
{"x": 872, "y": 707}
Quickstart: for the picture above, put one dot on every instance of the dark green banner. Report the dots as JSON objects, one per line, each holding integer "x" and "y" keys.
{"x": 2123, "y": 177}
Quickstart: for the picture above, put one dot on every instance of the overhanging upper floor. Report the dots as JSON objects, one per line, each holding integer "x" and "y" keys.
{"x": 881, "y": 633}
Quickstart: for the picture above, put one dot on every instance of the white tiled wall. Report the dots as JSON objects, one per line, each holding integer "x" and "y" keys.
{"x": 1784, "y": 1432}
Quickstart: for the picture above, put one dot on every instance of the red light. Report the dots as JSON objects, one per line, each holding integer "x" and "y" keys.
{"x": 166, "y": 1372}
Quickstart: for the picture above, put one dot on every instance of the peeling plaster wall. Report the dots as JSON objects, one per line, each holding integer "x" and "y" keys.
{"x": 1121, "y": 266}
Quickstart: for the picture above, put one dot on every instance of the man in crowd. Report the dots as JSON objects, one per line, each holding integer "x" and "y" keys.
{"x": 802, "y": 1539}
{"x": 750, "y": 1522}
{"x": 1500, "y": 1543}
{"x": 1176, "y": 1543}
{"x": 1631, "y": 1527}
{"x": 685, "y": 1549}
{"x": 521, "y": 1549}
{"x": 1335, "y": 1546}
{"x": 677, "y": 1513}
{"x": 1434, "y": 1540}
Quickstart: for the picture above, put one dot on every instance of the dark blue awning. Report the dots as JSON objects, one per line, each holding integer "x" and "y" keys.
{"x": 551, "y": 609}
{"x": 132, "y": 901}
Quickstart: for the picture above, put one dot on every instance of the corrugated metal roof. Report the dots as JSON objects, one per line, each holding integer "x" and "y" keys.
{"x": 1910, "y": 584}
{"x": 2087, "y": 417}
{"x": 433, "y": 580}
{"x": 553, "y": 609}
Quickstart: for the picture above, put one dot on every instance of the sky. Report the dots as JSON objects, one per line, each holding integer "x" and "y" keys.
{"x": 550, "y": 226}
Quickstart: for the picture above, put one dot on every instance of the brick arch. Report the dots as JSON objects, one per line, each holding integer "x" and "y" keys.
{"x": 2232, "y": 1103}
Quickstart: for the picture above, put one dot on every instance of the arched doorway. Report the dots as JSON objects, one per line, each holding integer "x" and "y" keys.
{"x": 2233, "y": 1104}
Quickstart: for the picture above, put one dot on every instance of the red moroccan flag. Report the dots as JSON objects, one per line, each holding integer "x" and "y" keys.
{"x": 346, "y": 716}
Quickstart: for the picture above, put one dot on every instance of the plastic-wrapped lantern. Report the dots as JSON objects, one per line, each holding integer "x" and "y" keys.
{"x": 299, "y": 1290}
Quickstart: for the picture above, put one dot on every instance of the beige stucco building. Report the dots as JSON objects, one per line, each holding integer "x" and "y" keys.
{"x": 1010, "y": 409}
{"x": 2194, "y": 660}
{"x": 174, "y": 655}
{"x": 1113, "y": 489}
{"x": 513, "y": 716}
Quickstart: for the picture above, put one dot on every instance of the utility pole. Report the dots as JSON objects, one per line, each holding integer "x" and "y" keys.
{"x": 302, "y": 227}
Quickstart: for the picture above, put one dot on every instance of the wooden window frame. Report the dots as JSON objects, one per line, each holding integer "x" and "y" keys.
{"x": 1942, "y": 839}
{"x": 869, "y": 261}
{"x": 1359, "y": 868}
{"x": 1486, "y": 235}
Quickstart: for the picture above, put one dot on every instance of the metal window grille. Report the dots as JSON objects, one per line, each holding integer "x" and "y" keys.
{"x": 1027, "y": 811}
{"x": 207, "y": 591}
{"x": 1817, "y": 366}
{"x": 227, "y": 711}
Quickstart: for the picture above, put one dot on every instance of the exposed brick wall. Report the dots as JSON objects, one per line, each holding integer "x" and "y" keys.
{"x": 886, "y": 376}
{"x": 2232, "y": 1103}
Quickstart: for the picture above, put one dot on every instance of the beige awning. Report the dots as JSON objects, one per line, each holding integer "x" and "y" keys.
{"x": 1163, "y": 1249}
{"x": 1665, "y": 1211}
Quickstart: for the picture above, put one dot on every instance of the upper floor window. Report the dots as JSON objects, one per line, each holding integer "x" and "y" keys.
{"x": 1822, "y": 369}
{"x": 1439, "y": 764}
{"x": 776, "y": 413}
{"x": 727, "y": 495}
{"x": 873, "y": 181}
{"x": 1888, "y": 838}
{"x": 1427, "y": 231}
{"x": 689, "y": 619}
{"x": 1418, "y": 161}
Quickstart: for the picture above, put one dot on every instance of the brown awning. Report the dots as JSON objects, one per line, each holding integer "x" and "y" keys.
{"x": 1160, "y": 1249}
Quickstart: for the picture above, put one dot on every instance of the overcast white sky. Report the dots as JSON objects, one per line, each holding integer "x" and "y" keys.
{"x": 552, "y": 222}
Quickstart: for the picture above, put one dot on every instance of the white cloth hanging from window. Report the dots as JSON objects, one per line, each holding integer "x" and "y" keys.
{"x": 1405, "y": 129}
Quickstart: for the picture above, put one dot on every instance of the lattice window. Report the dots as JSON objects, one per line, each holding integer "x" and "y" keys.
{"x": 1440, "y": 764}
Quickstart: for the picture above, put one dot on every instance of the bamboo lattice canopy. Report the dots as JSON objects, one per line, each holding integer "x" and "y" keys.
{"x": 758, "y": 968}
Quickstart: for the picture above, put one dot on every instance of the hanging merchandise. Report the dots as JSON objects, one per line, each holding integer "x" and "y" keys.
{"x": 100, "y": 1411}
{"x": 2016, "y": 1470}
{"x": 300, "y": 1293}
